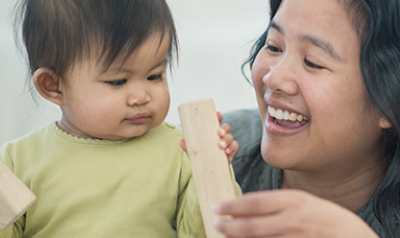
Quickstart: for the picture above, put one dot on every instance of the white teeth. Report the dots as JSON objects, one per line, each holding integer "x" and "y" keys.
{"x": 271, "y": 110}
{"x": 293, "y": 116}
{"x": 300, "y": 118}
{"x": 286, "y": 115}
{"x": 280, "y": 114}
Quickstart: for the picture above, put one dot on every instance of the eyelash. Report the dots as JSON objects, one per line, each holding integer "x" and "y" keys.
{"x": 273, "y": 48}
{"x": 312, "y": 65}
{"x": 154, "y": 77}
{"x": 308, "y": 63}
{"x": 122, "y": 82}
{"x": 117, "y": 83}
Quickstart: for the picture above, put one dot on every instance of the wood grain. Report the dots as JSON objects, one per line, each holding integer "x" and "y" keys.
{"x": 15, "y": 197}
{"x": 209, "y": 163}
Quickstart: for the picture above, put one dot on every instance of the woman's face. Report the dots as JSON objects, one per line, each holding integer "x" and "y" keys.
{"x": 310, "y": 91}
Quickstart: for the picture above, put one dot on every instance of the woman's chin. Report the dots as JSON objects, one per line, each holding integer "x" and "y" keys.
{"x": 276, "y": 157}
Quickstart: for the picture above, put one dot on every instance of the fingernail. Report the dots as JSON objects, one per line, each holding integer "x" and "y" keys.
{"x": 216, "y": 223}
{"x": 222, "y": 132}
{"x": 216, "y": 208}
{"x": 222, "y": 143}
{"x": 228, "y": 150}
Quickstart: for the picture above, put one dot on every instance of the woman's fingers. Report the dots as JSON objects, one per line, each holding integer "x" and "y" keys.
{"x": 288, "y": 213}
{"x": 257, "y": 226}
{"x": 261, "y": 214}
{"x": 255, "y": 203}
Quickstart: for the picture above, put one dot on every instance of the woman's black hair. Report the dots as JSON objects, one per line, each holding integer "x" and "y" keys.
{"x": 57, "y": 33}
{"x": 377, "y": 24}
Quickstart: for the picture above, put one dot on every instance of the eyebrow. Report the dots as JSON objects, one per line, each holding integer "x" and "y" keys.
{"x": 162, "y": 62}
{"x": 320, "y": 43}
{"x": 275, "y": 25}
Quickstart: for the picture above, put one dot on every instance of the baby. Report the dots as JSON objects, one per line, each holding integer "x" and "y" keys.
{"x": 111, "y": 166}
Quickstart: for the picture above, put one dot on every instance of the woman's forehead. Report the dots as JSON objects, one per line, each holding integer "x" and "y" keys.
{"x": 324, "y": 24}
{"x": 313, "y": 11}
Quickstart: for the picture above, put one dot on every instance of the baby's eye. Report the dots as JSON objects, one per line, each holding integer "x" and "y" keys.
{"x": 312, "y": 65}
{"x": 273, "y": 48}
{"x": 119, "y": 82}
{"x": 155, "y": 77}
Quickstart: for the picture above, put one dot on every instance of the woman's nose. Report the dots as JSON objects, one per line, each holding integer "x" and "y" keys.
{"x": 282, "y": 77}
{"x": 138, "y": 97}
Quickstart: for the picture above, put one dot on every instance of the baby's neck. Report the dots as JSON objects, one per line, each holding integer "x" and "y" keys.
{"x": 70, "y": 129}
{"x": 350, "y": 190}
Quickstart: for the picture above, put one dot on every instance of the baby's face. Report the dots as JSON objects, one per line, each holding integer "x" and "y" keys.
{"x": 127, "y": 100}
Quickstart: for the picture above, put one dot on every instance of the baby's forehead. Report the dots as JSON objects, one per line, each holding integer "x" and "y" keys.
{"x": 151, "y": 53}
{"x": 108, "y": 53}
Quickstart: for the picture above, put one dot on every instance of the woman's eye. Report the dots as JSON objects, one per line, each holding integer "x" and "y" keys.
{"x": 155, "y": 77}
{"x": 312, "y": 65}
{"x": 273, "y": 48}
{"x": 117, "y": 82}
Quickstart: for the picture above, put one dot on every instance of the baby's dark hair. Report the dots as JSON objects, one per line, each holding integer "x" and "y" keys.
{"x": 58, "y": 33}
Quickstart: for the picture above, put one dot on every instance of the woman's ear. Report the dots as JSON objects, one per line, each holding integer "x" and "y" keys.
{"x": 384, "y": 123}
{"x": 47, "y": 83}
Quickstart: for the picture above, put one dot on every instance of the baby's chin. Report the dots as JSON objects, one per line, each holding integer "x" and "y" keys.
{"x": 124, "y": 132}
{"x": 119, "y": 137}
{"x": 124, "y": 135}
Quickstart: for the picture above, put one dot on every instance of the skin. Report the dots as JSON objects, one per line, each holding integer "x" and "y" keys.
{"x": 312, "y": 70}
{"x": 131, "y": 88}
{"x": 118, "y": 94}
{"x": 227, "y": 142}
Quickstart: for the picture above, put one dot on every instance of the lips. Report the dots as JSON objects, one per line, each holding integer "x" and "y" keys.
{"x": 284, "y": 122}
{"x": 286, "y": 115}
{"x": 140, "y": 118}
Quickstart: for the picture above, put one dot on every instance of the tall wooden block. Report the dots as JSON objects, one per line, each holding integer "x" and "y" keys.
{"x": 209, "y": 163}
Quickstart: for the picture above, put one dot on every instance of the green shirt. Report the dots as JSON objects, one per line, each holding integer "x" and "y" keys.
{"x": 139, "y": 187}
{"x": 254, "y": 174}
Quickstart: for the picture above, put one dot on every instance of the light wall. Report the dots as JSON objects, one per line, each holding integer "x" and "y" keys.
{"x": 215, "y": 38}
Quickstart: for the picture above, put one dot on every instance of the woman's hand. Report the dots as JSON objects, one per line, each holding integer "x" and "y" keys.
{"x": 227, "y": 143}
{"x": 288, "y": 213}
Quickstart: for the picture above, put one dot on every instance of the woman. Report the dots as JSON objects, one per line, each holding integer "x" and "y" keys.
{"x": 327, "y": 81}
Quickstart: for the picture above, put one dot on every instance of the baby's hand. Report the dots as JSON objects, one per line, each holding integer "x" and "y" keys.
{"x": 227, "y": 143}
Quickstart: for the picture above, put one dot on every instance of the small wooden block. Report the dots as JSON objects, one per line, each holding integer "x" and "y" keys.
{"x": 15, "y": 197}
{"x": 209, "y": 163}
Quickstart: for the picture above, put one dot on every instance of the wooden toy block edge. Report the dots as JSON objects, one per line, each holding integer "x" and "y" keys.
{"x": 15, "y": 197}
{"x": 209, "y": 163}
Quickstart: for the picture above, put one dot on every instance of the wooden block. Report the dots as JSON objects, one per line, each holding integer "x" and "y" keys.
{"x": 15, "y": 197}
{"x": 209, "y": 163}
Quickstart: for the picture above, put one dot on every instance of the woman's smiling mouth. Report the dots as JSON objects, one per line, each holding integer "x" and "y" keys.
{"x": 283, "y": 122}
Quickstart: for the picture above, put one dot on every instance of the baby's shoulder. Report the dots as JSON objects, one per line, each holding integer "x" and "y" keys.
{"x": 164, "y": 135}
{"x": 31, "y": 139}
{"x": 168, "y": 129}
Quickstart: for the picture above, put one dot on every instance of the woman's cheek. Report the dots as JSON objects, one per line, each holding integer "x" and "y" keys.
{"x": 257, "y": 77}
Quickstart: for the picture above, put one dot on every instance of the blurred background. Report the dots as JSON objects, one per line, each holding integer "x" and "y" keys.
{"x": 215, "y": 38}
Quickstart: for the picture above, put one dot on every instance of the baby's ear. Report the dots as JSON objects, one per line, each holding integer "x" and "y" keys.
{"x": 47, "y": 83}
